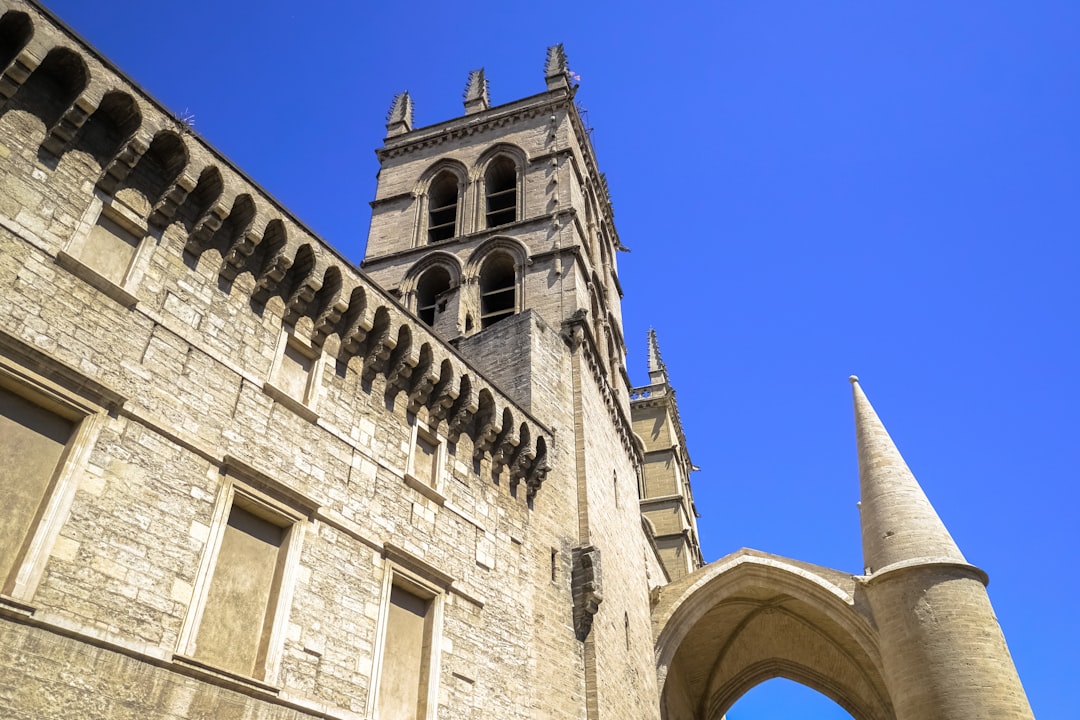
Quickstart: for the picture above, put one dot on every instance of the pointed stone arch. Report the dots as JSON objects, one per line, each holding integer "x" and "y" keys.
{"x": 750, "y": 617}
{"x": 440, "y": 191}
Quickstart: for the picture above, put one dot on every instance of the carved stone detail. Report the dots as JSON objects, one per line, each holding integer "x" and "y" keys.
{"x": 587, "y": 588}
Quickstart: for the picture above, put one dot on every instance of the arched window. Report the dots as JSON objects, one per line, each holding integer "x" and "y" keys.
{"x": 432, "y": 284}
{"x": 500, "y": 184}
{"x": 498, "y": 289}
{"x": 442, "y": 207}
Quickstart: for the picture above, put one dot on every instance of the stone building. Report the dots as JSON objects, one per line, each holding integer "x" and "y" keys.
{"x": 248, "y": 479}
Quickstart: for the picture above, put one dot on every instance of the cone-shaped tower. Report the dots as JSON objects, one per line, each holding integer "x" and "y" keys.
{"x": 943, "y": 652}
{"x": 899, "y": 525}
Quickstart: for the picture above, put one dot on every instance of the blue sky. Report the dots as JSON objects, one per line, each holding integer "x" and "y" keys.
{"x": 809, "y": 190}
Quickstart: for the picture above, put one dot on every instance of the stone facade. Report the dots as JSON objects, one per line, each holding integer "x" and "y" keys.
{"x": 247, "y": 479}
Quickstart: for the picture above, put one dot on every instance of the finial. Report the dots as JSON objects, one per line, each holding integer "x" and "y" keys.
{"x": 400, "y": 118}
{"x": 556, "y": 71}
{"x": 853, "y": 379}
{"x": 476, "y": 92}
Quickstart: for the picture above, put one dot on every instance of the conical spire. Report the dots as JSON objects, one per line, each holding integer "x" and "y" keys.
{"x": 899, "y": 525}
{"x": 657, "y": 369}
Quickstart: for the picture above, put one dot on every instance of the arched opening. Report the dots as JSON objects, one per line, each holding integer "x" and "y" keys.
{"x": 751, "y": 617}
{"x": 442, "y": 207}
{"x": 114, "y": 121}
{"x": 432, "y": 284}
{"x": 54, "y": 85}
{"x": 780, "y": 697}
{"x": 498, "y": 289}
{"x": 500, "y": 186}
{"x": 15, "y": 32}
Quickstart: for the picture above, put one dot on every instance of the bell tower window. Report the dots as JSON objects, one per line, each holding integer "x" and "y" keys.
{"x": 433, "y": 283}
{"x": 442, "y": 207}
{"x": 498, "y": 289}
{"x": 500, "y": 184}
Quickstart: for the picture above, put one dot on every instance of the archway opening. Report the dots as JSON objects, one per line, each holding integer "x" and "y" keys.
{"x": 750, "y": 618}
{"x": 780, "y": 698}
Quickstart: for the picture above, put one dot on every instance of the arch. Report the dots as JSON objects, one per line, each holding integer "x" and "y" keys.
{"x": 502, "y": 185}
{"x": 498, "y": 288}
{"x": 208, "y": 189}
{"x": 109, "y": 127}
{"x": 441, "y": 188}
{"x": 429, "y": 287}
{"x": 158, "y": 168}
{"x": 16, "y": 30}
{"x": 437, "y": 258}
{"x": 751, "y": 617}
{"x": 54, "y": 85}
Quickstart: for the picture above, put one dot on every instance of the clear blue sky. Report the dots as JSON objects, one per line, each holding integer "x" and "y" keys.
{"x": 809, "y": 190}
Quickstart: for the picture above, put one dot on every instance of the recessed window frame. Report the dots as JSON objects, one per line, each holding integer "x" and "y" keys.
{"x": 113, "y": 211}
{"x": 403, "y": 570}
{"x": 489, "y": 317}
{"x": 306, "y": 406}
{"x": 87, "y": 416}
{"x": 443, "y": 218}
{"x": 421, "y": 432}
{"x": 506, "y": 200}
{"x": 240, "y": 488}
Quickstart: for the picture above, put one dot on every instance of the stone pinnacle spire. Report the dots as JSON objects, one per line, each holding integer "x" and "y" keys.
{"x": 400, "y": 118}
{"x": 476, "y": 92}
{"x": 657, "y": 369}
{"x": 556, "y": 70}
{"x": 899, "y": 525}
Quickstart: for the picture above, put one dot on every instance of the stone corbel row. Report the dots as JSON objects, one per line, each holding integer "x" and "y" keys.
{"x": 252, "y": 236}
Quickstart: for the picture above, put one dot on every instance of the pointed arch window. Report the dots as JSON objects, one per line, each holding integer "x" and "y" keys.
{"x": 442, "y": 207}
{"x": 433, "y": 283}
{"x": 500, "y": 185}
{"x": 498, "y": 289}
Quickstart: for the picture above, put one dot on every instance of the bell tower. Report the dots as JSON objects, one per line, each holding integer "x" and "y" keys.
{"x": 499, "y": 211}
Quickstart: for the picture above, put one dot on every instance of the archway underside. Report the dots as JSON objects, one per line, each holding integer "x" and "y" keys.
{"x": 740, "y": 629}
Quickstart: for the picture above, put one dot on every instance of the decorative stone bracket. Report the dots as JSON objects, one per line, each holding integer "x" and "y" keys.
{"x": 587, "y": 587}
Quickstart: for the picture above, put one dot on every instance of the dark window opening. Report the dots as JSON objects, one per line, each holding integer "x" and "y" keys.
{"x": 498, "y": 290}
{"x": 442, "y": 207}
{"x": 500, "y": 182}
{"x": 433, "y": 283}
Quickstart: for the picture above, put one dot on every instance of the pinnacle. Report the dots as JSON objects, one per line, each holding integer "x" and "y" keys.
{"x": 657, "y": 369}
{"x": 898, "y": 522}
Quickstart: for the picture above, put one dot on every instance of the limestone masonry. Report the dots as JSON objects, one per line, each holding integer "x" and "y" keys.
{"x": 246, "y": 479}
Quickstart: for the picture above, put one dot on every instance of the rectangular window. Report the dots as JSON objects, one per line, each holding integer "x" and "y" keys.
{"x": 403, "y": 683}
{"x": 404, "y": 680}
{"x": 47, "y": 431}
{"x": 244, "y": 587}
{"x": 294, "y": 371}
{"x": 295, "y": 375}
{"x": 109, "y": 249}
{"x": 32, "y": 443}
{"x": 427, "y": 458}
{"x": 239, "y": 610}
{"x": 104, "y": 251}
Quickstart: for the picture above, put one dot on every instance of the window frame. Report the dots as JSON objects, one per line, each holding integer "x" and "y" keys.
{"x": 293, "y": 521}
{"x": 114, "y": 211}
{"x": 87, "y": 416}
{"x": 514, "y": 192}
{"x": 433, "y": 490}
{"x": 455, "y": 225}
{"x": 405, "y": 571}
{"x": 307, "y": 407}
